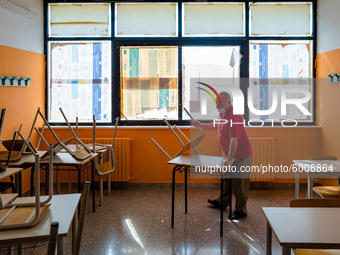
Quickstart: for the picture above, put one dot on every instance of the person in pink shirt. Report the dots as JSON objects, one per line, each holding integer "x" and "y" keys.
{"x": 235, "y": 143}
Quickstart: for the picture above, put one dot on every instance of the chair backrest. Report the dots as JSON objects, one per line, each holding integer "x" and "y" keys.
{"x": 52, "y": 241}
{"x": 83, "y": 202}
{"x": 2, "y": 119}
{"x": 3, "y": 167}
{"x": 315, "y": 203}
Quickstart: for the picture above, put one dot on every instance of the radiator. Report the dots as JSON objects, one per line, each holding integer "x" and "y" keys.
{"x": 122, "y": 154}
{"x": 263, "y": 154}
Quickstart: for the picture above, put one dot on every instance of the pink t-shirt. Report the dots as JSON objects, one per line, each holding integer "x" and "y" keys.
{"x": 226, "y": 132}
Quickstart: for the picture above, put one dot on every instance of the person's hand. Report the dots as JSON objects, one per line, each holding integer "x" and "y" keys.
{"x": 228, "y": 162}
{"x": 197, "y": 123}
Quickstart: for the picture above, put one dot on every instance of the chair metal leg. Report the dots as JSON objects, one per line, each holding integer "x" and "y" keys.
{"x": 221, "y": 220}
{"x": 92, "y": 186}
{"x": 58, "y": 181}
{"x": 101, "y": 188}
{"x": 186, "y": 189}
{"x": 173, "y": 197}
{"x": 269, "y": 240}
{"x": 109, "y": 184}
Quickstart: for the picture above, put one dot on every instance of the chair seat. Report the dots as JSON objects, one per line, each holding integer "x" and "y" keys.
{"x": 328, "y": 190}
{"x": 317, "y": 252}
{"x": 105, "y": 168}
{"x": 81, "y": 152}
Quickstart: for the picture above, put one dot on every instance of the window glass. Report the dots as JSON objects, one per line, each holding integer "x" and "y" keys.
{"x": 146, "y": 19}
{"x": 149, "y": 83}
{"x": 281, "y": 19}
{"x": 278, "y": 65}
{"x": 206, "y": 64}
{"x": 213, "y": 19}
{"x": 79, "y": 81}
{"x": 79, "y": 20}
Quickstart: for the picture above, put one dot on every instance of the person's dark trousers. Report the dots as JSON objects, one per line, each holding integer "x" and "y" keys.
{"x": 240, "y": 185}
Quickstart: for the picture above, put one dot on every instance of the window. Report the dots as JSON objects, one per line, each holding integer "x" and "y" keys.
{"x": 202, "y": 64}
{"x": 79, "y": 81}
{"x": 146, "y": 19}
{"x": 275, "y": 65}
{"x": 149, "y": 82}
{"x": 145, "y": 61}
{"x": 79, "y": 20}
{"x": 213, "y": 19}
{"x": 281, "y": 19}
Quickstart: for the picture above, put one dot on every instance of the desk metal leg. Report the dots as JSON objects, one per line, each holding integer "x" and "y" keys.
{"x": 69, "y": 180}
{"x": 9, "y": 250}
{"x": 297, "y": 184}
{"x": 230, "y": 198}
{"x": 74, "y": 230}
{"x": 18, "y": 183}
{"x": 286, "y": 250}
{"x": 79, "y": 180}
{"x": 92, "y": 184}
{"x": 32, "y": 180}
{"x": 58, "y": 180}
{"x": 221, "y": 220}
{"x": 47, "y": 183}
{"x": 173, "y": 197}
{"x": 20, "y": 250}
{"x": 186, "y": 189}
{"x": 309, "y": 187}
{"x": 60, "y": 249}
{"x": 269, "y": 240}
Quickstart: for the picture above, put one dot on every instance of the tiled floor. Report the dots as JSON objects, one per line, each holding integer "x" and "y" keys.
{"x": 135, "y": 219}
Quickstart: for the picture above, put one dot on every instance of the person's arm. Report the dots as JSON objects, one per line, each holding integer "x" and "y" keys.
{"x": 232, "y": 151}
{"x": 205, "y": 125}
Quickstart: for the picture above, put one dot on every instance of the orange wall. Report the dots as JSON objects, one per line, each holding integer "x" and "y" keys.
{"x": 149, "y": 163}
{"x": 21, "y": 102}
{"x": 328, "y": 103}
{"x": 328, "y": 95}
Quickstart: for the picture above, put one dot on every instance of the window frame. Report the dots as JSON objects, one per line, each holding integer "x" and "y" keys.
{"x": 179, "y": 41}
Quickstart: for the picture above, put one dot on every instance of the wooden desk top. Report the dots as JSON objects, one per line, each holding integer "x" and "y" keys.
{"x": 62, "y": 210}
{"x": 73, "y": 147}
{"x": 8, "y": 198}
{"x": 28, "y": 157}
{"x": 305, "y": 227}
{"x": 196, "y": 160}
{"x": 9, "y": 171}
{"x": 64, "y": 159}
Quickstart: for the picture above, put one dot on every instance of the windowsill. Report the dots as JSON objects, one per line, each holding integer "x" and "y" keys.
{"x": 183, "y": 127}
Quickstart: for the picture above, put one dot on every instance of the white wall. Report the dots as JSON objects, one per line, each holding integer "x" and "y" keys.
{"x": 22, "y": 33}
{"x": 328, "y": 19}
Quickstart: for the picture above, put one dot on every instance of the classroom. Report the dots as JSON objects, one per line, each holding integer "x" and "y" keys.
{"x": 169, "y": 127}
